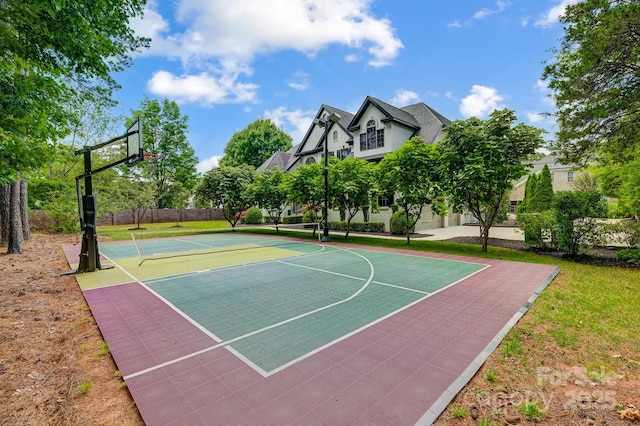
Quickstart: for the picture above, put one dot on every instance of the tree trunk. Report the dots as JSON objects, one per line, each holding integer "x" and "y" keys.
{"x": 15, "y": 220}
{"x": 4, "y": 214}
{"x": 24, "y": 210}
{"x": 484, "y": 233}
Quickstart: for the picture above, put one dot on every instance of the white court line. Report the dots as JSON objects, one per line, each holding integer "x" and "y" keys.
{"x": 228, "y": 342}
{"x": 251, "y": 364}
{"x": 227, "y": 268}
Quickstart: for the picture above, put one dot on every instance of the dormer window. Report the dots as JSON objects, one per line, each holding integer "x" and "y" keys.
{"x": 373, "y": 138}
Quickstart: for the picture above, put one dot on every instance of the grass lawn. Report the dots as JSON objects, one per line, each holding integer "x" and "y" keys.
{"x": 576, "y": 351}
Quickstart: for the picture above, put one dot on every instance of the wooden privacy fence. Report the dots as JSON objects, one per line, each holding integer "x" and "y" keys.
{"x": 154, "y": 215}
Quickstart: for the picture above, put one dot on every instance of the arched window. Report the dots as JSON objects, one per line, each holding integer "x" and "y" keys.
{"x": 335, "y": 136}
{"x": 310, "y": 160}
{"x": 373, "y": 138}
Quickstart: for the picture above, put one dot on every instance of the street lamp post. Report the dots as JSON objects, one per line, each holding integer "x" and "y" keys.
{"x": 326, "y": 122}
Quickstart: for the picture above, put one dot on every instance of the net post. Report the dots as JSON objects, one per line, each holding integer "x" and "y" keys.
{"x": 135, "y": 244}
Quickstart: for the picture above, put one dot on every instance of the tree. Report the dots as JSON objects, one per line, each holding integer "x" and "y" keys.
{"x": 543, "y": 195}
{"x": 268, "y": 191}
{"x": 173, "y": 162}
{"x": 529, "y": 194}
{"x": 305, "y": 186}
{"x": 413, "y": 174}
{"x": 255, "y": 144}
{"x": 595, "y": 77}
{"x": 227, "y": 187}
{"x": 52, "y": 51}
{"x": 575, "y": 213}
{"x": 352, "y": 183}
{"x": 481, "y": 159}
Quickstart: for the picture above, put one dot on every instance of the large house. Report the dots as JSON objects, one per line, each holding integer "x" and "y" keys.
{"x": 562, "y": 176}
{"x": 376, "y": 129}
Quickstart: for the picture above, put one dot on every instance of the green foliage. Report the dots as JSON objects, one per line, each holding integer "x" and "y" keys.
{"x": 398, "y": 224}
{"x": 481, "y": 159}
{"x": 594, "y": 78}
{"x": 268, "y": 191}
{"x": 543, "y": 194}
{"x": 629, "y": 255}
{"x": 352, "y": 187}
{"x": 255, "y": 144}
{"x": 227, "y": 187}
{"x": 532, "y": 411}
{"x": 575, "y": 214}
{"x": 172, "y": 170}
{"x": 84, "y": 387}
{"x": 292, "y": 219}
{"x": 377, "y": 227}
{"x": 413, "y": 173}
{"x": 305, "y": 185}
{"x": 529, "y": 194}
{"x": 51, "y": 53}
{"x": 253, "y": 216}
{"x": 512, "y": 345}
{"x": 310, "y": 216}
{"x": 459, "y": 412}
{"x": 492, "y": 376}
{"x": 539, "y": 229}
{"x": 56, "y": 204}
{"x": 628, "y": 233}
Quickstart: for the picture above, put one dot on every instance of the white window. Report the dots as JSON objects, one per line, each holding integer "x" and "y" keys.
{"x": 569, "y": 176}
{"x": 372, "y": 138}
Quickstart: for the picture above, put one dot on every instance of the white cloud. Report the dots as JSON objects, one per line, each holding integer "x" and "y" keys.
{"x": 535, "y": 117}
{"x": 299, "y": 81}
{"x": 203, "y": 88}
{"x": 218, "y": 41}
{"x": 298, "y": 121}
{"x": 482, "y": 101}
{"x": 208, "y": 164}
{"x": 553, "y": 15}
{"x": 483, "y": 13}
{"x": 215, "y": 28}
{"x": 455, "y": 24}
{"x": 405, "y": 97}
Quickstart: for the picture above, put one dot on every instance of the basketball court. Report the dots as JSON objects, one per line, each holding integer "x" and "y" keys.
{"x": 241, "y": 329}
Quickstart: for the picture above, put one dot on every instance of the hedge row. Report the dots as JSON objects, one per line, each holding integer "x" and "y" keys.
{"x": 357, "y": 226}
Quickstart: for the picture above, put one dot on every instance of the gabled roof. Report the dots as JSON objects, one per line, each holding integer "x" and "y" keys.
{"x": 391, "y": 114}
{"x": 549, "y": 160}
{"x": 278, "y": 159}
{"x": 431, "y": 121}
{"x": 308, "y": 146}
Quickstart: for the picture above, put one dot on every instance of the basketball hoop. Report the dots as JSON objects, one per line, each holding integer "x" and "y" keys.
{"x": 148, "y": 155}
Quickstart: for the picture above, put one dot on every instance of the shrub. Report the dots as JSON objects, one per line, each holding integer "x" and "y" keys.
{"x": 539, "y": 229}
{"x": 357, "y": 226}
{"x": 626, "y": 232}
{"x": 310, "y": 216}
{"x": 291, "y": 219}
{"x": 575, "y": 213}
{"x": 253, "y": 216}
{"x": 629, "y": 255}
{"x": 398, "y": 223}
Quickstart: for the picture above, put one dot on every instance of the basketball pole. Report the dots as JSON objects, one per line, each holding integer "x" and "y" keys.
{"x": 89, "y": 253}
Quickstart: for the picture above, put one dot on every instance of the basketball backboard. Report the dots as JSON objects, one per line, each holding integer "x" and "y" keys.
{"x": 135, "y": 152}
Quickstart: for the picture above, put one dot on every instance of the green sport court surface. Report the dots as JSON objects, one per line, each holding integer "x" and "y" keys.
{"x": 242, "y": 313}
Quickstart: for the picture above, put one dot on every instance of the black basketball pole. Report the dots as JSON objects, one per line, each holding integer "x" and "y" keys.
{"x": 89, "y": 253}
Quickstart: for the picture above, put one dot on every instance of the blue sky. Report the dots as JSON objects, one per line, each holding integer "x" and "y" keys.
{"x": 228, "y": 63}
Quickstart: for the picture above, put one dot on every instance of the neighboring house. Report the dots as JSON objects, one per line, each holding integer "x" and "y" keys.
{"x": 562, "y": 177}
{"x": 376, "y": 129}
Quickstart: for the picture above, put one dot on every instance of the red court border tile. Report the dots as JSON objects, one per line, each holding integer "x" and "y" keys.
{"x": 403, "y": 370}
